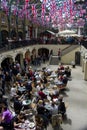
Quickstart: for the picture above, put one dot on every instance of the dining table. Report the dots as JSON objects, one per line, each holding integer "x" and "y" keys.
{"x": 21, "y": 89}
{"x": 46, "y": 92}
{"x": 26, "y": 102}
{"x": 27, "y": 125}
{"x": 48, "y": 106}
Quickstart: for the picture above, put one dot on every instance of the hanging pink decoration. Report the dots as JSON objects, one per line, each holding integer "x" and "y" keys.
{"x": 65, "y": 6}
{"x": 20, "y": 14}
{"x": 7, "y": 11}
{"x": 33, "y": 9}
{"x": 53, "y": 6}
{"x": 43, "y": 9}
{"x": 15, "y": 11}
{"x": 60, "y": 12}
{"x": 35, "y": 14}
{"x": 71, "y": 7}
{"x": 44, "y": 2}
{"x": 27, "y": 1}
{"x": 47, "y": 18}
{"x": 27, "y": 13}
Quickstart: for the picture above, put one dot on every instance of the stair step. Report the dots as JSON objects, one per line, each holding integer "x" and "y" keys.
{"x": 54, "y": 60}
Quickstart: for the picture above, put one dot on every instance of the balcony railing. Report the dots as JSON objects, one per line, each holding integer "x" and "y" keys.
{"x": 7, "y": 46}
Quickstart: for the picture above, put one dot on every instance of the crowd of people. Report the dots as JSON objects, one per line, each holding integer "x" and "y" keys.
{"x": 32, "y": 93}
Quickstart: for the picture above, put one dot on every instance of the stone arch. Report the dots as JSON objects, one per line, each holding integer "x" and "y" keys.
{"x": 42, "y": 51}
{"x": 20, "y": 34}
{"x": 27, "y": 56}
{"x": 19, "y": 58}
{"x": 4, "y": 34}
{"x": 6, "y": 62}
{"x": 33, "y": 51}
{"x": 13, "y": 33}
{"x": 33, "y": 54}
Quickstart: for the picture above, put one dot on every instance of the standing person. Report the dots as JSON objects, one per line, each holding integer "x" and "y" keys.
{"x": 3, "y": 83}
{"x": 59, "y": 54}
{"x": 51, "y": 52}
{"x": 44, "y": 57}
{"x": 8, "y": 80}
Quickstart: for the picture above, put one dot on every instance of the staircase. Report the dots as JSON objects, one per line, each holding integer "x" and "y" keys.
{"x": 69, "y": 49}
{"x": 54, "y": 60}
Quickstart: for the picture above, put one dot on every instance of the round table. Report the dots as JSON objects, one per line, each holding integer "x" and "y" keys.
{"x": 26, "y": 102}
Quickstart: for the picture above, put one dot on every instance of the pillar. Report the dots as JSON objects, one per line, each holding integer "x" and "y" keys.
{"x": 85, "y": 70}
{"x": 36, "y": 31}
{"x": 79, "y": 31}
{"x": 21, "y": 61}
{"x": 27, "y": 34}
{"x": 83, "y": 65}
{"x": 33, "y": 32}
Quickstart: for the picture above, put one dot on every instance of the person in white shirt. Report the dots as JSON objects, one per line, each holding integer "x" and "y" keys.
{"x": 13, "y": 91}
{"x": 54, "y": 109}
{"x": 39, "y": 86}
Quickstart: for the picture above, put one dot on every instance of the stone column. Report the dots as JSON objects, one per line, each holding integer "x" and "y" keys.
{"x": 83, "y": 65}
{"x": 85, "y": 70}
{"x": 79, "y": 31}
{"x": 27, "y": 34}
{"x": 36, "y": 30}
{"x": 21, "y": 61}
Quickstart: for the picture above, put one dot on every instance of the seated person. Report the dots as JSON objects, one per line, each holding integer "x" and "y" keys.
{"x": 39, "y": 86}
{"x": 60, "y": 78}
{"x": 45, "y": 80}
{"x": 61, "y": 106}
{"x": 17, "y": 104}
{"x": 40, "y": 107}
{"x": 65, "y": 80}
{"x": 68, "y": 71}
{"x": 13, "y": 91}
{"x": 39, "y": 122}
{"x": 42, "y": 95}
{"x": 6, "y": 118}
{"x": 19, "y": 119}
{"x": 54, "y": 109}
{"x": 28, "y": 86}
{"x": 28, "y": 95}
{"x": 3, "y": 101}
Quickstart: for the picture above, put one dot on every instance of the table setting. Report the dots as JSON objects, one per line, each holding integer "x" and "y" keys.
{"x": 26, "y": 102}
{"x": 27, "y": 125}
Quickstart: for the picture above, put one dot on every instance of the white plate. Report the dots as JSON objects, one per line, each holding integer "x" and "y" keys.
{"x": 31, "y": 125}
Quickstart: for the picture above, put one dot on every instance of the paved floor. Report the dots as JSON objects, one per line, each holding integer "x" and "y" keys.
{"x": 76, "y": 98}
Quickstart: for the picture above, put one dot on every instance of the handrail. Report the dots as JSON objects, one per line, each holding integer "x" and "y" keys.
{"x": 7, "y": 46}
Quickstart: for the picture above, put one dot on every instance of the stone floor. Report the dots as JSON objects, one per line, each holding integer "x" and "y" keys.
{"x": 76, "y": 99}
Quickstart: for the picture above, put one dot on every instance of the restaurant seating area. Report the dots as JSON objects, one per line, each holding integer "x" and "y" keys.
{"x": 34, "y": 96}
